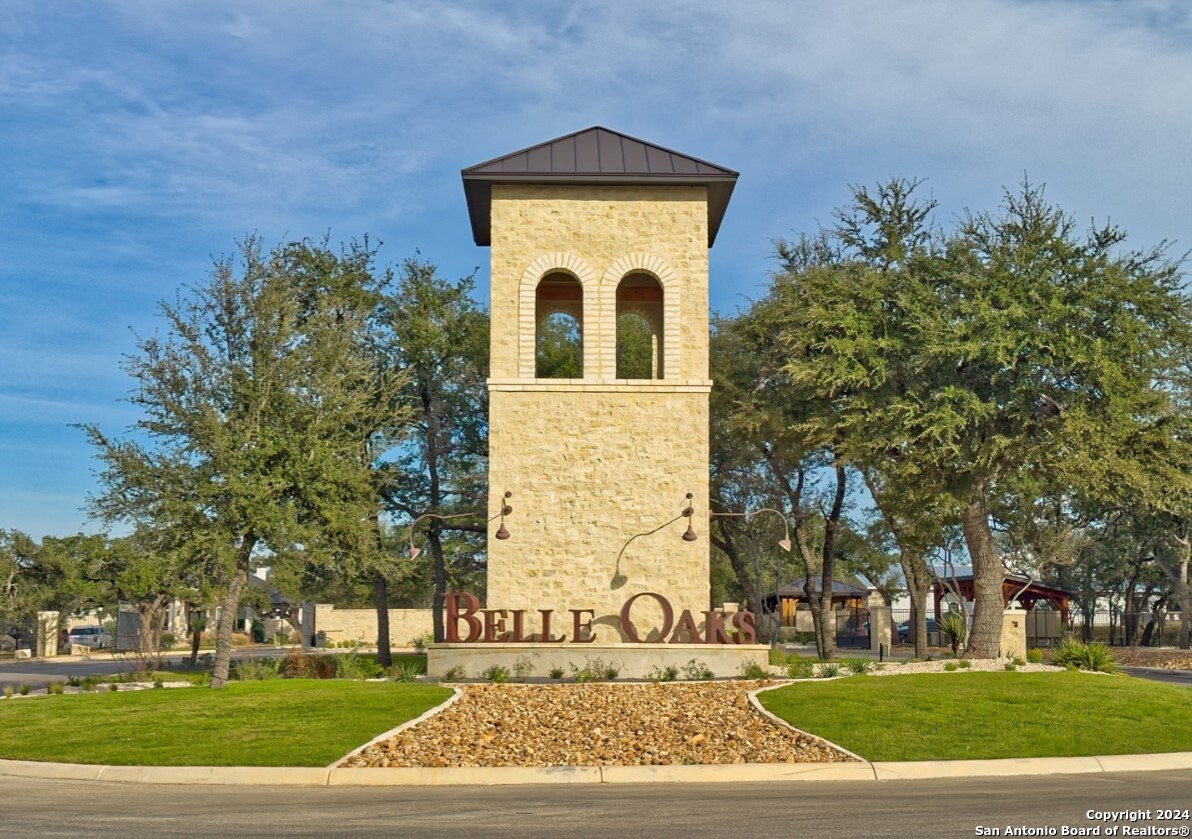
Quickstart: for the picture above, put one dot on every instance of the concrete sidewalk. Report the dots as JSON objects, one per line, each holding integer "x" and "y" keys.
{"x": 519, "y": 775}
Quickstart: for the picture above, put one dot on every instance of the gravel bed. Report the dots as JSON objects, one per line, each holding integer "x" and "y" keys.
{"x": 599, "y": 724}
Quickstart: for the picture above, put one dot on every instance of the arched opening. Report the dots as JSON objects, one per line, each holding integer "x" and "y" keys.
{"x": 559, "y": 332}
{"x": 639, "y": 328}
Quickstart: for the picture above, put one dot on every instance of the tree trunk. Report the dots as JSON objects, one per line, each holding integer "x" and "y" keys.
{"x": 918, "y": 584}
{"x": 440, "y": 570}
{"x": 381, "y": 602}
{"x": 227, "y": 615}
{"x": 988, "y": 605}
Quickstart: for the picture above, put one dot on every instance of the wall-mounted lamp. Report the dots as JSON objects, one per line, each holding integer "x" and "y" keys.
{"x": 412, "y": 551}
{"x": 689, "y": 534}
{"x": 784, "y": 542}
{"x": 502, "y": 533}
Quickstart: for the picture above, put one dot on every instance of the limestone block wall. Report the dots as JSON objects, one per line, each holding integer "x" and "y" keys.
{"x": 594, "y": 462}
{"x": 598, "y": 235}
{"x": 361, "y": 624}
{"x": 589, "y": 471}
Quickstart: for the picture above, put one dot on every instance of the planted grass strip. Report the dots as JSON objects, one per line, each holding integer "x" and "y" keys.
{"x": 292, "y": 722}
{"x": 969, "y": 716}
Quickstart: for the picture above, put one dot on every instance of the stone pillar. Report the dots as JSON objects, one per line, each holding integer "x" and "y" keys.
{"x": 47, "y": 634}
{"x": 881, "y": 627}
{"x": 1013, "y": 643}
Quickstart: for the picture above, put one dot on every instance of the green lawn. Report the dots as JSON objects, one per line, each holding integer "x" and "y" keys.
{"x": 284, "y": 722}
{"x": 961, "y": 716}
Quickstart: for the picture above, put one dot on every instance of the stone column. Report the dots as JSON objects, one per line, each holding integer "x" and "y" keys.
{"x": 881, "y": 627}
{"x": 1013, "y": 642}
{"x": 47, "y": 634}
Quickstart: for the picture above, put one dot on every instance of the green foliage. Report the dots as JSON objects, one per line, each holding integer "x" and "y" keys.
{"x": 1034, "y": 655}
{"x": 1094, "y": 656}
{"x": 559, "y": 348}
{"x": 454, "y": 674}
{"x": 23, "y": 689}
{"x": 800, "y": 669}
{"x": 53, "y": 688}
{"x": 113, "y": 687}
{"x": 8, "y": 691}
{"x": 407, "y": 671}
{"x": 421, "y": 642}
{"x": 496, "y": 674}
{"x": 952, "y": 626}
{"x": 635, "y": 355}
{"x": 354, "y": 665}
{"x": 753, "y": 670}
{"x": 556, "y": 672}
{"x": 697, "y": 671}
{"x": 522, "y": 668}
{"x": 1010, "y": 666}
{"x": 964, "y": 664}
{"x": 663, "y": 674}
{"x": 594, "y": 670}
{"x": 829, "y": 670}
{"x": 257, "y": 669}
{"x": 858, "y": 666}
{"x": 951, "y": 666}
{"x": 780, "y": 657}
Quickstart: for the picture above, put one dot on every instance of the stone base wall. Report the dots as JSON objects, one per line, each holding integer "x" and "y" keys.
{"x": 361, "y": 624}
{"x": 1013, "y": 642}
{"x": 633, "y": 661}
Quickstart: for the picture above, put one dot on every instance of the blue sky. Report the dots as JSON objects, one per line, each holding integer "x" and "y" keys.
{"x": 140, "y": 138}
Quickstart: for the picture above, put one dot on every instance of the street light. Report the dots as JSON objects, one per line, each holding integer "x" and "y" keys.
{"x": 784, "y": 542}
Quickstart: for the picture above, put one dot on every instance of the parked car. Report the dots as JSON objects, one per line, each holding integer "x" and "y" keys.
{"x": 90, "y": 636}
{"x": 905, "y": 629}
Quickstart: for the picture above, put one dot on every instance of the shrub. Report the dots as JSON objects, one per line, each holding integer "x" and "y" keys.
{"x": 23, "y": 689}
{"x": 697, "y": 671}
{"x": 964, "y": 664}
{"x": 753, "y": 670}
{"x": 355, "y": 666}
{"x": 241, "y": 639}
{"x": 1011, "y": 666}
{"x": 780, "y": 657}
{"x": 829, "y": 670}
{"x": 1094, "y": 656}
{"x": 257, "y": 669}
{"x": 663, "y": 674}
{"x": 113, "y": 687}
{"x": 522, "y": 668}
{"x": 1034, "y": 655}
{"x": 454, "y": 674}
{"x": 595, "y": 670}
{"x": 556, "y": 672}
{"x": 168, "y": 640}
{"x": 55, "y": 688}
{"x": 496, "y": 674}
{"x": 407, "y": 671}
{"x": 952, "y": 626}
{"x": 421, "y": 642}
{"x": 800, "y": 669}
{"x": 200, "y": 680}
{"x": 8, "y": 691}
{"x": 951, "y": 666}
{"x": 858, "y": 666}
{"x": 158, "y": 684}
{"x": 74, "y": 681}
{"x": 1018, "y": 662}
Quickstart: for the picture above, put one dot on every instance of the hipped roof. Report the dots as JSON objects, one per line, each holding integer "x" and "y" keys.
{"x": 595, "y": 155}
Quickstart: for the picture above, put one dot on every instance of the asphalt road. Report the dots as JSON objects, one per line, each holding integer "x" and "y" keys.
{"x": 1171, "y": 677}
{"x": 825, "y": 810}
{"x": 38, "y": 672}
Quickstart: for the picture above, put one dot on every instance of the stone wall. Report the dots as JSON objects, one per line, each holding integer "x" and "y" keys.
{"x": 593, "y": 463}
{"x": 361, "y": 624}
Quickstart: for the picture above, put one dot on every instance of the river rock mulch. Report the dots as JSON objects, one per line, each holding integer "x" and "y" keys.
{"x": 598, "y": 724}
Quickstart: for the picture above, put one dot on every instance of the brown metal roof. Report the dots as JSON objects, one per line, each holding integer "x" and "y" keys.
{"x": 595, "y": 156}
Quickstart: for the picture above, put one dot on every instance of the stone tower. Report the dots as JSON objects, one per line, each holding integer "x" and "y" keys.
{"x": 599, "y": 247}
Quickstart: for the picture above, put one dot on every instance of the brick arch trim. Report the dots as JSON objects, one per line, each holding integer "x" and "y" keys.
{"x": 551, "y": 263}
{"x": 640, "y": 263}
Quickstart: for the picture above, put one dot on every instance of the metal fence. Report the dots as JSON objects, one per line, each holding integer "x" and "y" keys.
{"x": 1045, "y": 628}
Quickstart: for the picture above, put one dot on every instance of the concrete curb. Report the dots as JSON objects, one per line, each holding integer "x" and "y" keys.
{"x": 518, "y": 775}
